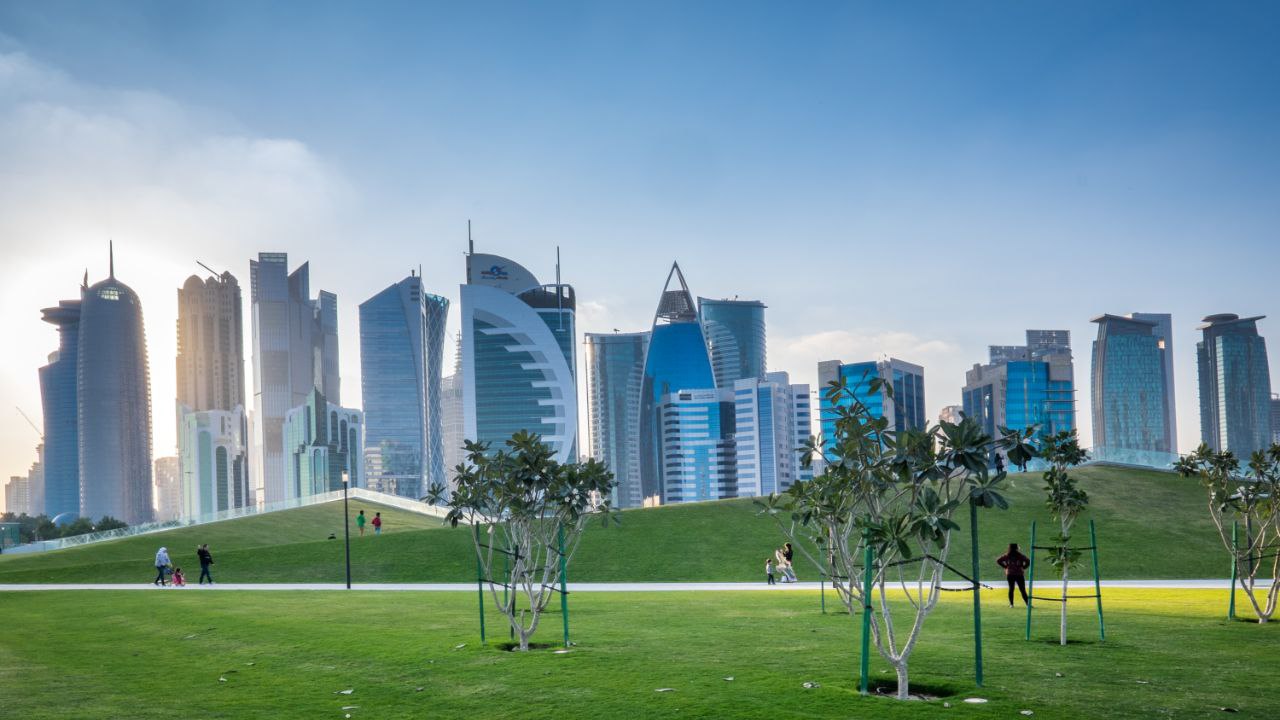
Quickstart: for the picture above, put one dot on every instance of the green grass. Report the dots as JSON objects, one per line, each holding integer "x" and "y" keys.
{"x": 160, "y": 654}
{"x": 1150, "y": 525}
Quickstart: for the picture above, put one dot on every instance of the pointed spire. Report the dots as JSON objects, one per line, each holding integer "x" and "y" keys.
{"x": 676, "y": 305}
{"x": 85, "y": 284}
{"x": 111, "y": 260}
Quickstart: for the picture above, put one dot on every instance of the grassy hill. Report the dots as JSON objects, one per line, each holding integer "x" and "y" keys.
{"x": 1150, "y": 525}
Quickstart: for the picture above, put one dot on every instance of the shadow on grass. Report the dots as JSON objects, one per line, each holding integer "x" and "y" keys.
{"x": 515, "y": 646}
{"x": 884, "y": 687}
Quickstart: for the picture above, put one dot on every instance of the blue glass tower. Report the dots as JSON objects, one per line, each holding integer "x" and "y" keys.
{"x": 1024, "y": 385}
{"x": 735, "y": 334}
{"x": 615, "y": 372}
{"x": 905, "y": 410}
{"x": 676, "y": 360}
{"x": 1130, "y": 416}
{"x": 1235, "y": 385}
{"x": 401, "y": 354}
{"x": 58, "y": 397}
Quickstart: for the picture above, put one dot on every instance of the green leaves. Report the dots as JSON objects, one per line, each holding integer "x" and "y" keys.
{"x": 1063, "y": 499}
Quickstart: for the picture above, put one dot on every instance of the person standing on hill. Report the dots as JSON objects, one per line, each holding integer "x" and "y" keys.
{"x": 1015, "y": 564}
{"x": 162, "y": 565}
{"x": 377, "y": 523}
{"x": 206, "y": 560}
{"x": 360, "y": 523}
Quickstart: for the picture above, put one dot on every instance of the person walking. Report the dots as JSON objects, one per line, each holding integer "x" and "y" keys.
{"x": 1015, "y": 564}
{"x": 206, "y": 560}
{"x": 360, "y": 523}
{"x": 768, "y": 571}
{"x": 377, "y": 523}
{"x": 162, "y": 566}
{"x": 788, "y": 570}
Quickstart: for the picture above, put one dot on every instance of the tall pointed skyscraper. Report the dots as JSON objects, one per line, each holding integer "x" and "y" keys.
{"x": 675, "y": 360}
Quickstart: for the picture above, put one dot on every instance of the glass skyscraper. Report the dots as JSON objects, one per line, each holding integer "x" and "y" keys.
{"x": 1131, "y": 418}
{"x": 295, "y": 351}
{"x": 772, "y": 424}
{"x": 1235, "y": 385}
{"x": 905, "y": 411}
{"x": 519, "y": 367}
{"x": 321, "y": 441}
{"x": 735, "y": 335}
{"x": 615, "y": 376}
{"x": 675, "y": 360}
{"x": 61, "y": 414}
{"x": 114, "y": 397}
{"x": 1024, "y": 385}
{"x": 698, "y": 449}
{"x": 401, "y": 354}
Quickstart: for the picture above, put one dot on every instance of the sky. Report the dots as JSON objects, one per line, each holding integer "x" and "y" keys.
{"x": 915, "y": 180}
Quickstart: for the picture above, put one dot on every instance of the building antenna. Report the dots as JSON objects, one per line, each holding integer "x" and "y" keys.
{"x": 559, "y": 291}
{"x": 471, "y": 249}
{"x": 111, "y": 260}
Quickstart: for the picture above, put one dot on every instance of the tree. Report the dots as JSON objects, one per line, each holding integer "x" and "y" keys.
{"x": 1249, "y": 500}
{"x": 896, "y": 492}
{"x": 1065, "y": 502}
{"x": 525, "y": 507}
{"x": 109, "y": 523}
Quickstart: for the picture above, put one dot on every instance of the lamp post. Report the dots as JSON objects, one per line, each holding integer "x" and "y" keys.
{"x": 346, "y": 524}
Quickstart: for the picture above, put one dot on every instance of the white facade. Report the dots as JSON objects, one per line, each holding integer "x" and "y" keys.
{"x": 773, "y": 422}
{"x": 322, "y": 440}
{"x": 212, "y": 460}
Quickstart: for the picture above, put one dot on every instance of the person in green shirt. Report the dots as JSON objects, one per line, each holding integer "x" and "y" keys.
{"x": 360, "y": 523}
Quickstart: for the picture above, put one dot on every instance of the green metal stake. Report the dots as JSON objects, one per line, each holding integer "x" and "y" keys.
{"x": 564, "y": 591}
{"x": 1097, "y": 583}
{"x": 1235, "y": 563}
{"x": 479, "y": 581}
{"x": 977, "y": 596}
{"x": 868, "y": 558}
{"x": 1031, "y": 577}
{"x": 822, "y": 593}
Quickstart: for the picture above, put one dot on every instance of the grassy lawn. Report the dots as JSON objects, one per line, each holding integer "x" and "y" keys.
{"x": 1150, "y": 525}
{"x": 161, "y": 654}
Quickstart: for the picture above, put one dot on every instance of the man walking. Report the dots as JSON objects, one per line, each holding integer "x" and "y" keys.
{"x": 206, "y": 560}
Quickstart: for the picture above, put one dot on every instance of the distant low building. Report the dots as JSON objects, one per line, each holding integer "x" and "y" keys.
{"x": 17, "y": 495}
{"x": 951, "y": 414}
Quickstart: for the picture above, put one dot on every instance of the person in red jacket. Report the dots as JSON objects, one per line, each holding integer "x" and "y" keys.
{"x": 377, "y": 523}
{"x": 1015, "y": 564}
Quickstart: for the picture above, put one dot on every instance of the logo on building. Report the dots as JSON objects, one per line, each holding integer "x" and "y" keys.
{"x": 496, "y": 272}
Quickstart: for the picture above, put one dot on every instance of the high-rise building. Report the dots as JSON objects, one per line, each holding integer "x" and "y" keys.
{"x": 951, "y": 414}
{"x": 17, "y": 495}
{"x": 1275, "y": 418}
{"x": 735, "y": 335}
{"x": 1235, "y": 385}
{"x": 698, "y": 451}
{"x": 1023, "y": 386}
{"x": 401, "y": 358}
{"x": 58, "y": 396}
{"x": 519, "y": 367}
{"x": 1131, "y": 419}
{"x": 322, "y": 441}
{"x": 615, "y": 376}
{"x": 114, "y": 397}
{"x": 676, "y": 360}
{"x": 1164, "y": 339}
{"x": 295, "y": 351}
{"x": 35, "y": 483}
{"x": 168, "y": 493}
{"x": 904, "y": 411}
{"x": 772, "y": 423}
{"x": 453, "y": 429}
{"x": 213, "y": 460}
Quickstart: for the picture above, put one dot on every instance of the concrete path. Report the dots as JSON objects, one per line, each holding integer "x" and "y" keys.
{"x": 599, "y": 587}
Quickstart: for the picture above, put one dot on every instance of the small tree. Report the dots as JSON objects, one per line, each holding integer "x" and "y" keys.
{"x": 1065, "y": 502}
{"x": 897, "y": 492}
{"x": 1250, "y": 500}
{"x": 526, "y": 506}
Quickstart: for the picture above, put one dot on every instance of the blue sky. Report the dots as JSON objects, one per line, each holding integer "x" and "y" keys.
{"x": 920, "y": 180}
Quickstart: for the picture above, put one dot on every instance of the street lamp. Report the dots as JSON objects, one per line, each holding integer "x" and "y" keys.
{"x": 346, "y": 524}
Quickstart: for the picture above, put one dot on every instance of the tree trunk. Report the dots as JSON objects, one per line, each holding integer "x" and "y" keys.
{"x": 1062, "y": 629}
{"x": 904, "y": 690}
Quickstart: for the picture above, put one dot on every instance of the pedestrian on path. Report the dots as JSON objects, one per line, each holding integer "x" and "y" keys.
{"x": 1015, "y": 564}
{"x": 360, "y": 523}
{"x": 377, "y": 523}
{"x": 206, "y": 560}
{"x": 162, "y": 566}
{"x": 768, "y": 571}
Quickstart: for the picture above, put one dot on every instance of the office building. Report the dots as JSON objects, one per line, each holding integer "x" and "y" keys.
{"x": 1275, "y": 419}
{"x": 953, "y": 414}
{"x": 1022, "y": 386}
{"x": 35, "y": 484}
{"x": 1164, "y": 339}
{"x": 58, "y": 397}
{"x": 519, "y": 366}
{"x": 166, "y": 472}
{"x": 17, "y": 495}
{"x": 772, "y": 423}
{"x": 1131, "y": 419}
{"x": 735, "y": 336}
{"x": 114, "y": 404}
{"x": 295, "y": 351}
{"x": 214, "y": 466}
{"x": 401, "y": 354}
{"x": 615, "y": 376}
{"x": 1235, "y": 385}
{"x": 904, "y": 410}
{"x": 323, "y": 441}
{"x": 697, "y": 449}
{"x": 676, "y": 360}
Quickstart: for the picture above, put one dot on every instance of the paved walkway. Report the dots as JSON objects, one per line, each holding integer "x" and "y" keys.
{"x": 602, "y": 587}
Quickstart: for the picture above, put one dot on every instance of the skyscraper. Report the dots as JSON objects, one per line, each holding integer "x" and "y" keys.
{"x": 1164, "y": 339}
{"x": 735, "y": 335}
{"x": 114, "y": 398}
{"x": 904, "y": 411}
{"x": 519, "y": 367}
{"x": 322, "y": 441}
{"x": 698, "y": 450}
{"x": 772, "y": 423}
{"x": 675, "y": 360}
{"x": 58, "y": 396}
{"x": 213, "y": 459}
{"x": 1235, "y": 385}
{"x": 1024, "y": 385}
{"x": 615, "y": 376}
{"x": 295, "y": 351}
{"x": 453, "y": 430}
{"x": 168, "y": 492}
{"x": 1131, "y": 418}
{"x": 17, "y": 495}
{"x": 401, "y": 354}
{"x": 1275, "y": 418}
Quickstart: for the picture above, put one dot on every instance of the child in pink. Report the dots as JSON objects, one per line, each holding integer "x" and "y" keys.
{"x": 178, "y": 580}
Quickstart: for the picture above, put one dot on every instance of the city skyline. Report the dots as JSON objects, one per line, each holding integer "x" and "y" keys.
{"x": 1171, "y": 158}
